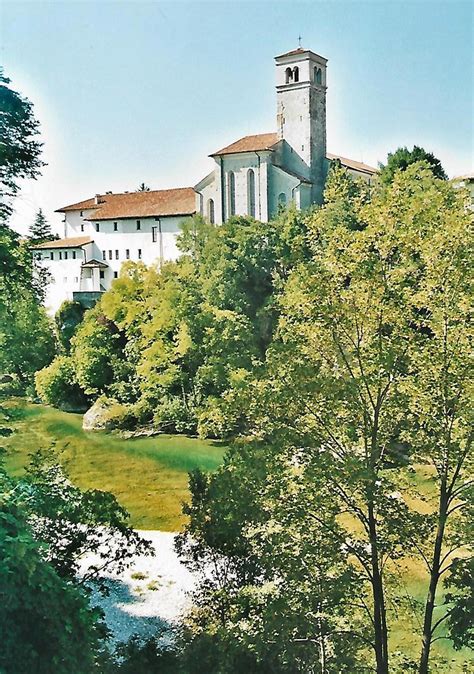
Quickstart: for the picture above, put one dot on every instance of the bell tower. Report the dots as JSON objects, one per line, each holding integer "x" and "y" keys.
{"x": 301, "y": 115}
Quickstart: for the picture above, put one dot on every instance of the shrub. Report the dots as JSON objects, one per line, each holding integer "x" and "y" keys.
{"x": 118, "y": 415}
{"x": 67, "y": 318}
{"x": 57, "y": 385}
{"x": 174, "y": 416}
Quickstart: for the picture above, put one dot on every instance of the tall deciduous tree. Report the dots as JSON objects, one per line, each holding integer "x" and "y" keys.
{"x": 402, "y": 158}
{"x": 366, "y": 380}
{"x": 20, "y": 148}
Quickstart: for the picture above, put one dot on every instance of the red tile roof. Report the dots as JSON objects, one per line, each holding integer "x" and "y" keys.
{"x": 80, "y": 206}
{"x": 293, "y": 52}
{"x": 70, "y": 242}
{"x": 179, "y": 201}
{"x": 266, "y": 141}
{"x": 354, "y": 165}
{"x": 262, "y": 141}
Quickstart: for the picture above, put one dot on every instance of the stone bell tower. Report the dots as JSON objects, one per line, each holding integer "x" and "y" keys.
{"x": 301, "y": 115}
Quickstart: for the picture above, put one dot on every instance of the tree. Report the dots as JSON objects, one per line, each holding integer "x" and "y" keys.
{"x": 40, "y": 230}
{"x": 142, "y": 188}
{"x": 40, "y": 611}
{"x": 402, "y": 158}
{"x": 72, "y": 523}
{"x": 67, "y": 318}
{"x": 19, "y": 150}
{"x": 56, "y": 384}
{"x": 365, "y": 380}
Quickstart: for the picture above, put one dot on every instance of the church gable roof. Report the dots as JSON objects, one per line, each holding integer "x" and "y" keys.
{"x": 259, "y": 142}
{"x": 155, "y": 203}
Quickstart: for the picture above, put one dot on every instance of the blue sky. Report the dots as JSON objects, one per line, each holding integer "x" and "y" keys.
{"x": 144, "y": 91}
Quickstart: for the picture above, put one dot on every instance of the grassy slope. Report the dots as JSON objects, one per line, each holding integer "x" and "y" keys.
{"x": 149, "y": 476}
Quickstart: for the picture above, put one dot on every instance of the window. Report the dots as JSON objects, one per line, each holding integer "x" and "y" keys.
{"x": 65, "y": 254}
{"x": 97, "y": 228}
{"x": 282, "y": 199}
{"x": 76, "y": 280}
{"x": 154, "y": 234}
{"x": 110, "y": 254}
{"x": 288, "y": 75}
{"x": 296, "y": 74}
{"x": 116, "y": 255}
{"x": 82, "y": 213}
{"x": 251, "y": 192}
{"x": 115, "y": 274}
{"x": 139, "y": 253}
{"x": 318, "y": 75}
{"x": 102, "y": 274}
{"x": 60, "y": 255}
{"x": 82, "y": 228}
{"x": 127, "y": 254}
{"x": 104, "y": 255}
{"x": 231, "y": 184}
{"x": 115, "y": 226}
{"x": 73, "y": 254}
{"x": 38, "y": 256}
{"x": 210, "y": 211}
{"x": 51, "y": 255}
{"x": 139, "y": 224}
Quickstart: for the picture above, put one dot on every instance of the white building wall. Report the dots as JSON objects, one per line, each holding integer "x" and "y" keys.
{"x": 239, "y": 165}
{"x": 108, "y": 246}
{"x": 280, "y": 183}
{"x": 65, "y": 274}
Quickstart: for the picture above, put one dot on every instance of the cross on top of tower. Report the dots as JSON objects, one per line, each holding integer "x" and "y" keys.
{"x": 299, "y": 41}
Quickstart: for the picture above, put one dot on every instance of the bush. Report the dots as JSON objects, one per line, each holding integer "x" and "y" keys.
{"x": 118, "y": 415}
{"x": 173, "y": 416}
{"x": 57, "y": 385}
{"x": 67, "y": 318}
{"x": 217, "y": 420}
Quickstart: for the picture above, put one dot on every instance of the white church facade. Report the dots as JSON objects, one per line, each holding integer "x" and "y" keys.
{"x": 253, "y": 176}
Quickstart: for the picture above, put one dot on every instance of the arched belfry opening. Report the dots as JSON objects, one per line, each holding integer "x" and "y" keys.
{"x": 296, "y": 74}
{"x": 288, "y": 76}
{"x": 318, "y": 75}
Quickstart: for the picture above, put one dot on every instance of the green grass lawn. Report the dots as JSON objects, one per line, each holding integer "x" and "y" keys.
{"x": 149, "y": 476}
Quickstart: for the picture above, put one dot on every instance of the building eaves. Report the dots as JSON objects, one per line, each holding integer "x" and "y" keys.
{"x": 69, "y": 242}
{"x": 256, "y": 143}
{"x": 352, "y": 164}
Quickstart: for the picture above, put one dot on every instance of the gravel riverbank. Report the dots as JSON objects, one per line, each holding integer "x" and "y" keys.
{"x": 151, "y": 594}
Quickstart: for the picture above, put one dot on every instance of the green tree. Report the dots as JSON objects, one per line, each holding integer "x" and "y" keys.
{"x": 56, "y": 384}
{"x": 39, "y": 610}
{"x": 26, "y": 341}
{"x": 402, "y": 158}
{"x": 366, "y": 379}
{"x": 67, "y": 318}
{"x": 40, "y": 230}
{"x": 19, "y": 150}
{"x": 72, "y": 523}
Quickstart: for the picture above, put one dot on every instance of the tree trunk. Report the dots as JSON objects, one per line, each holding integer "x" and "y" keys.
{"x": 434, "y": 579}
{"x": 379, "y": 617}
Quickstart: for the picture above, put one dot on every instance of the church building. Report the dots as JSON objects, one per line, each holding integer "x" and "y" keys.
{"x": 253, "y": 176}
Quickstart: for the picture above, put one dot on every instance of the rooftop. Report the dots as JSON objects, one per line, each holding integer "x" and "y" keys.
{"x": 261, "y": 141}
{"x": 70, "y": 242}
{"x": 266, "y": 141}
{"x": 155, "y": 203}
{"x": 352, "y": 164}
